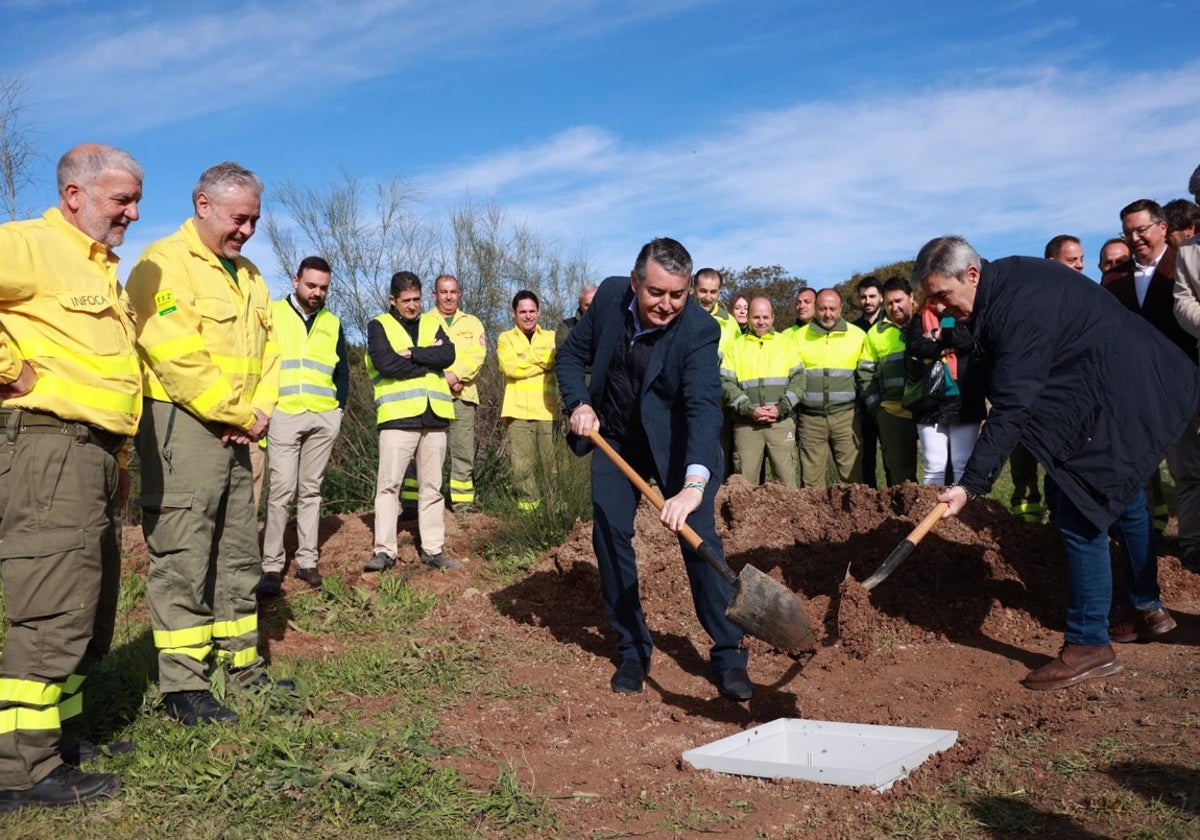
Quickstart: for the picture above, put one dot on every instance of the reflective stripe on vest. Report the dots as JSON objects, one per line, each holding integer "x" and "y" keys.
{"x": 307, "y": 360}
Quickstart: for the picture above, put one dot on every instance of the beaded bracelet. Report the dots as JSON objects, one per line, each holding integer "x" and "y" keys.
{"x": 694, "y": 485}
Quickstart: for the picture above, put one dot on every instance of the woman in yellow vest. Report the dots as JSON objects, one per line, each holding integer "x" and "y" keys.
{"x": 526, "y": 357}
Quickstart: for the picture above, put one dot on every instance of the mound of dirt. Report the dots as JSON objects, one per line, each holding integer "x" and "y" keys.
{"x": 942, "y": 643}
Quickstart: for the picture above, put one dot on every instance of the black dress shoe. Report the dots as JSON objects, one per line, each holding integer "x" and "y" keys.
{"x": 82, "y": 751}
{"x": 628, "y": 678}
{"x": 735, "y": 684}
{"x": 379, "y": 562}
{"x": 193, "y": 707}
{"x": 64, "y": 786}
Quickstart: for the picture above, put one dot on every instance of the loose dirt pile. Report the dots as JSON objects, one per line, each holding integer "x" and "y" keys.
{"x": 941, "y": 643}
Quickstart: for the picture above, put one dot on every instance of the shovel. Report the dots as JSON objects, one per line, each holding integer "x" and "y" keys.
{"x": 900, "y": 552}
{"x": 761, "y": 606}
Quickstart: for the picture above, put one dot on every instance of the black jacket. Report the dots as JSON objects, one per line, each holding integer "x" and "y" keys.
{"x": 422, "y": 360}
{"x": 1094, "y": 392}
{"x": 970, "y": 406}
{"x": 680, "y": 399}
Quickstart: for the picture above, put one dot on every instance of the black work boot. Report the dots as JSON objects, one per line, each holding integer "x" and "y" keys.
{"x": 64, "y": 786}
{"x": 192, "y": 707}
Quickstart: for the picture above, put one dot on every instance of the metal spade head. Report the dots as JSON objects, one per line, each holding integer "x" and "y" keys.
{"x": 766, "y": 609}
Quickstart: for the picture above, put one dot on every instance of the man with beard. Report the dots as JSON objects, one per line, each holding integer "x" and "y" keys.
{"x": 314, "y": 383}
{"x": 72, "y": 395}
{"x": 881, "y": 374}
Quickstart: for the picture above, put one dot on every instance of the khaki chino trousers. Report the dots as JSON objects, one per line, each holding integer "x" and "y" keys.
{"x": 299, "y": 446}
{"x": 397, "y": 449}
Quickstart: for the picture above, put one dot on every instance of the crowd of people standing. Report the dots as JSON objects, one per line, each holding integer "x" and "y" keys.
{"x": 196, "y": 366}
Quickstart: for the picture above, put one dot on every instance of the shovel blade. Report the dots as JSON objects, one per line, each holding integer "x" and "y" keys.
{"x": 766, "y": 609}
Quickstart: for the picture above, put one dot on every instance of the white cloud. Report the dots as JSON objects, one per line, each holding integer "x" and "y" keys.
{"x": 141, "y": 68}
{"x": 828, "y": 188}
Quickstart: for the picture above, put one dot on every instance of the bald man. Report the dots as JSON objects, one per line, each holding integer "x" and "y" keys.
{"x": 761, "y": 378}
{"x": 829, "y": 350}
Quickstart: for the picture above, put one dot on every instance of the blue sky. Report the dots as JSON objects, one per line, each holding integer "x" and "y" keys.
{"x": 826, "y": 138}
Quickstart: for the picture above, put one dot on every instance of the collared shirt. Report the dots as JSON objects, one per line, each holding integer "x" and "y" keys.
{"x": 1143, "y": 274}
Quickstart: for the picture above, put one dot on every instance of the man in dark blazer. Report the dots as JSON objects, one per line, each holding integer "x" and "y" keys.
{"x": 655, "y": 395}
{"x": 1145, "y": 284}
{"x": 1096, "y": 395}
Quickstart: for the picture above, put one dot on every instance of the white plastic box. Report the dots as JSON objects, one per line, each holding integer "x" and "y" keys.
{"x": 855, "y": 754}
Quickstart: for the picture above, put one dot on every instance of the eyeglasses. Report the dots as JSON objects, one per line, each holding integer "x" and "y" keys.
{"x": 1139, "y": 231}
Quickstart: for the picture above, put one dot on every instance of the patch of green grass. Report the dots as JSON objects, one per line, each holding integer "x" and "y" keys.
{"x": 344, "y": 610}
{"x": 564, "y": 489}
{"x": 353, "y": 754}
{"x": 923, "y": 817}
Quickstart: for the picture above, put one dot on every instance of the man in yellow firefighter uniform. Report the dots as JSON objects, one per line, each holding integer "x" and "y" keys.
{"x": 207, "y": 346}
{"x": 72, "y": 396}
{"x": 828, "y": 418}
{"x": 881, "y": 377}
{"x": 470, "y": 351}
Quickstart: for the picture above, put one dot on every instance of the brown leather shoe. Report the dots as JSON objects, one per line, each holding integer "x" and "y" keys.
{"x": 1074, "y": 664}
{"x": 1139, "y": 626}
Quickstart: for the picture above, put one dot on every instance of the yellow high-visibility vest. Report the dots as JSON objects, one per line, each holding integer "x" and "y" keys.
{"x": 307, "y": 358}
{"x": 396, "y": 399}
{"x": 829, "y": 358}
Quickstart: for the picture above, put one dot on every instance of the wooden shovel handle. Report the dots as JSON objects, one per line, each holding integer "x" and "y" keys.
{"x": 926, "y": 524}
{"x": 655, "y": 497}
{"x": 900, "y": 552}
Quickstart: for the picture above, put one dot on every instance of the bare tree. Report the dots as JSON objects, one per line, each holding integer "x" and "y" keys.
{"x": 364, "y": 244}
{"x": 18, "y": 153}
{"x": 367, "y": 233}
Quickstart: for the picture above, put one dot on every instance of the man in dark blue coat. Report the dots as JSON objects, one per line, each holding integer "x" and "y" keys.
{"x": 1097, "y": 395}
{"x": 655, "y": 395}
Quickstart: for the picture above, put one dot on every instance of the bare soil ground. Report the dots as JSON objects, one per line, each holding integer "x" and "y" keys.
{"x": 942, "y": 643}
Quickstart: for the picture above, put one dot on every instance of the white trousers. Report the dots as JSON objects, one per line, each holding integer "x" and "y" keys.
{"x": 943, "y": 444}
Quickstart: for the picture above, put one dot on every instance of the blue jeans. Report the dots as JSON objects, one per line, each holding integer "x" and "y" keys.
{"x": 1089, "y": 565}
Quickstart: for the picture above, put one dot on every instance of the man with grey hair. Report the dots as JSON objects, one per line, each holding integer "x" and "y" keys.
{"x": 72, "y": 396}
{"x": 1097, "y": 414}
{"x": 207, "y": 344}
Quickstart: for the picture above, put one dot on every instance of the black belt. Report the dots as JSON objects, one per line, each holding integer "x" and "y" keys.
{"x": 20, "y": 421}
